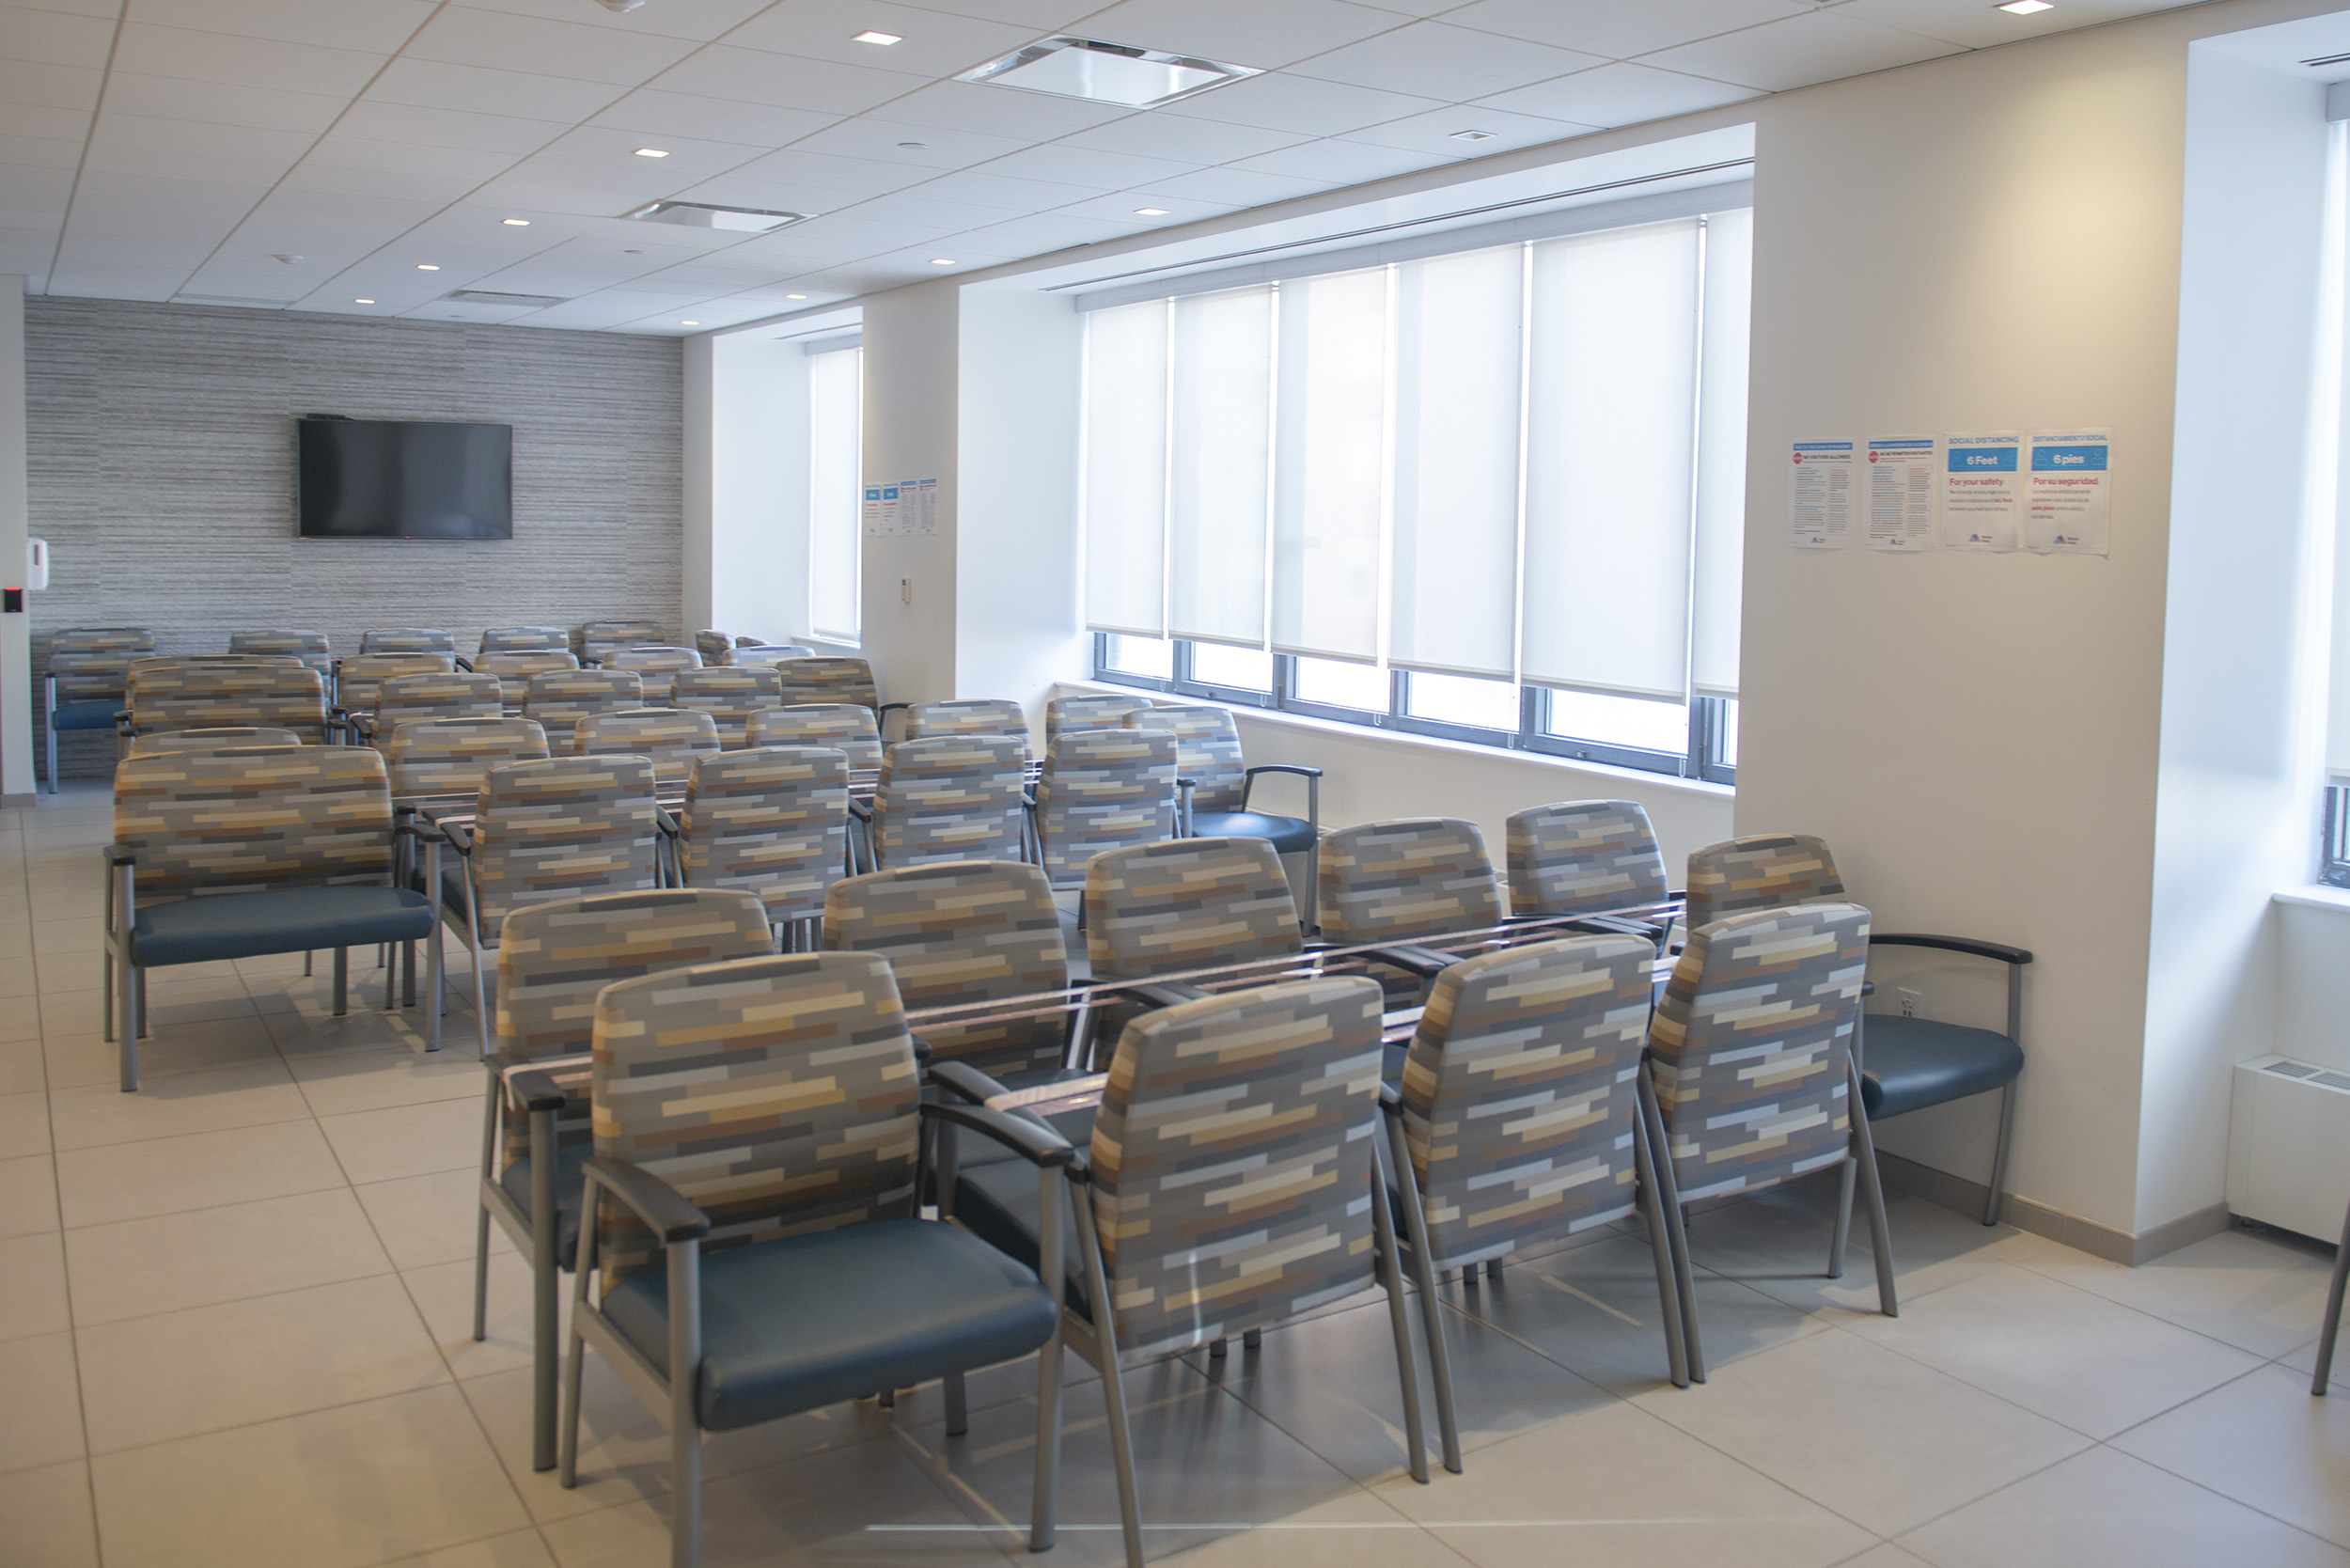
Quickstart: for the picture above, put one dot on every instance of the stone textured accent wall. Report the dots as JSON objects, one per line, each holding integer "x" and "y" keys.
{"x": 160, "y": 443}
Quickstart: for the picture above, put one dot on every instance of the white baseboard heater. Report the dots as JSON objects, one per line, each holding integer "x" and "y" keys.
{"x": 2289, "y": 1145}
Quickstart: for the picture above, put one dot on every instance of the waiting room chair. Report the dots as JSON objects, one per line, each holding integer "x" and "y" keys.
{"x": 1752, "y": 1052}
{"x": 1399, "y": 881}
{"x": 847, "y": 727}
{"x": 404, "y": 699}
{"x": 452, "y": 756}
{"x": 221, "y": 738}
{"x": 245, "y": 853}
{"x": 673, "y": 739}
{"x": 1103, "y": 790}
{"x": 1217, "y": 786}
{"x": 525, "y": 640}
{"x": 284, "y": 695}
{"x": 515, "y": 666}
{"x": 774, "y": 822}
{"x": 829, "y": 679}
{"x": 410, "y": 639}
{"x": 2325, "y": 1374}
{"x": 755, "y": 1219}
{"x": 1906, "y": 1064}
{"x": 1090, "y": 711}
{"x": 729, "y": 697}
{"x": 598, "y": 640}
{"x": 309, "y": 647}
{"x": 950, "y": 797}
{"x": 1584, "y": 857}
{"x": 553, "y": 959}
{"x": 658, "y": 667}
{"x": 716, "y": 648}
{"x": 769, "y": 654}
{"x": 560, "y": 698}
{"x": 970, "y": 715}
{"x": 88, "y": 681}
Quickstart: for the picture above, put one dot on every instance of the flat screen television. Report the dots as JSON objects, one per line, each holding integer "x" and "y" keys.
{"x": 404, "y": 478}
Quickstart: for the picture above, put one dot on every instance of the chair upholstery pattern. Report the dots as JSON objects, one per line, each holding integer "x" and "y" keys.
{"x": 846, "y": 726}
{"x": 176, "y": 696}
{"x": 774, "y": 822}
{"x": 515, "y": 666}
{"x": 769, "y": 652}
{"x": 950, "y": 797}
{"x": 729, "y": 697}
{"x": 1233, "y": 1158}
{"x": 360, "y": 680}
{"x": 1090, "y": 711}
{"x": 442, "y": 695}
{"x": 92, "y": 663}
{"x": 560, "y": 698}
{"x": 1519, "y": 1094}
{"x": 598, "y": 639}
{"x": 1581, "y": 856}
{"x": 554, "y": 829}
{"x": 672, "y": 738}
{"x": 1752, "y": 1044}
{"x": 309, "y": 647}
{"x": 207, "y": 823}
{"x": 960, "y": 932}
{"x": 436, "y": 757}
{"x": 1207, "y": 752}
{"x": 777, "y": 1095}
{"x": 410, "y": 639}
{"x": 967, "y": 716}
{"x": 715, "y": 647}
{"x": 828, "y": 679}
{"x": 657, "y": 668}
{"x": 1187, "y": 903}
{"x": 1763, "y": 871}
{"x": 1418, "y": 876}
{"x": 214, "y": 740}
{"x": 525, "y": 639}
{"x": 1103, "y": 790}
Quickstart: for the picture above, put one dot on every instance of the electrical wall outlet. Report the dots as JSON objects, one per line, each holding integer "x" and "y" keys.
{"x": 1911, "y": 1002}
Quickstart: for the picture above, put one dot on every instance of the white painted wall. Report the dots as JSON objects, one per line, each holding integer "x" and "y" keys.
{"x": 756, "y": 576}
{"x": 910, "y": 427}
{"x": 17, "y": 717}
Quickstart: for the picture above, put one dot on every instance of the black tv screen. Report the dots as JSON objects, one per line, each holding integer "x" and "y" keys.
{"x": 404, "y": 478}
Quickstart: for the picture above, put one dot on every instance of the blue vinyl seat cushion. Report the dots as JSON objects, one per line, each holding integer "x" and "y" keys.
{"x": 1909, "y": 1063}
{"x": 569, "y": 1157}
{"x": 803, "y": 1322}
{"x": 97, "y": 713}
{"x": 999, "y": 1203}
{"x": 277, "y": 920}
{"x": 1288, "y": 835}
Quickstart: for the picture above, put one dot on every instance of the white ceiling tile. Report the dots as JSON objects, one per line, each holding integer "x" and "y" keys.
{"x": 380, "y": 26}
{"x": 49, "y": 86}
{"x": 440, "y": 85}
{"x": 872, "y": 234}
{"x": 119, "y": 132}
{"x": 984, "y": 187}
{"x": 44, "y": 123}
{"x": 709, "y": 279}
{"x": 1302, "y": 104}
{"x": 134, "y": 194}
{"x": 1046, "y": 16}
{"x": 46, "y": 153}
{"x": 921, "y": 261}
{"x": 1800, "y": 51}
{"x": 1087, "y": 167}
{"x": 932, "y": 44}
{"x": 1235, "y": 186}
{"x": 1620, "y": 94}
{"x": 422, "y": 127}
{"x": 889, "y": 140}
{"x": 178, "y": 165}
{"x": 1337, "y": 163}
{"x": 342, "y": 150}
{"x": 1613, "y": 28}
{"x": 313, "y": 176}
{"x": 1505, "y": 131}
{"x": 689, "y": 158}
{"x": 757, "y": 76}
{"x": 768, "y": 196}
{"x": 1980, "y": 26}
{"x": 831, "y": 172}
{"x": 177, "y": 98}
{"x": 466, "y": 310}
{"x": 651, "y": 112}
{"x": 561, "y": 186}
{"x": 993, "y": 110}
{"x": 244, "y": 62}
{"x": 110, "y": 9}
{"x": 1434, "y": 60}
{"x": 1240, "y": 32}
{"x": 126, "y": 285}
{"x": 53, "y": 37}
{"x": 698, "y": 19}
{"x": 1044, "y": 232}
{"x": 23, "y": 185}
{"x": 1195, "y": 141}
{"x": 1180, "y": 210}
{"x": 918, "y": 206}
{"x": 463, "y": 36}
{"x": 342, "y": 204}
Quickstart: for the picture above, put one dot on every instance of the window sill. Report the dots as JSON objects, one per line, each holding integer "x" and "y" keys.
{"x": 2314, "y": 895}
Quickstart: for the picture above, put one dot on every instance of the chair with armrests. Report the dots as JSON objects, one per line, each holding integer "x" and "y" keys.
{"x": 219, "y": 739}
{"x": 452, "y": 756}
{"x": 967, "y": 716}
{"x": 716, "y": 648}
{"x": 1089, "y": 710}
{"x": 88, "y": 681}
{"x": 1103, "y": 790}
{"x": 1755, "y": 1083}
{"x": 773, "y": 821}
{"x": 442, "y": 695}
{"x": 1186, "y": 1236}
{"x": 525, "y": 640}
{"x": 1397, "y": 882}
{"x": 769, "y": 652}
{"x": 552, "y": 957}
{"x": 658, "y": 667}
{"x": 560, "y": 698}
{"x": 359, "y": 681}
{"x": 1906, "y": 1064}
{"x": 752, "y": 1216}
{"x": 599, "y": 640}
{"x": 846, "y": 727}
{"x": 515, "y": 666}
{"x": 833, "y": 679}
{"x": 410, "y": 639}
{"x": 309, "y": 647}
{"x": 1216, "y": 785}
{"x": 950, "y": 797}
{"x": 672, "y": 738}
{"x": 242, "y": 854}
{"x": 729, "y": 697}
{"x": 1585, "y": 857}
{"x": 270, "y": 694}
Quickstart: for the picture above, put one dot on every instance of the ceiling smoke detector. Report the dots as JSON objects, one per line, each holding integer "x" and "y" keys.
{"x": 1106, "y": 73}
{"x": 704, "y": 214}
{"x": 619, "y": 5}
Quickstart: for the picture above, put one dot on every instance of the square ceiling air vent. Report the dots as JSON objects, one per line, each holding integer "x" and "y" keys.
{"x": 707, "y": 215}
{"x": 1106, "y": 73}
{"x": 511, "y": 302}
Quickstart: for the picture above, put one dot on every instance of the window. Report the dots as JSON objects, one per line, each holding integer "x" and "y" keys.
{"x": 835, "y": 436}
{"x": 1496, "y": 496}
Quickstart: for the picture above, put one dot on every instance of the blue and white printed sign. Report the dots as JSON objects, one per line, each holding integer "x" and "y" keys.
{"x": 2068, "y": 496}
{"x": 1820, "y": 494}
{"x": 1981, "y": 491}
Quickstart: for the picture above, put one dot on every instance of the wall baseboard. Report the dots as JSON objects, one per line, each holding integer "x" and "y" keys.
{"x": 2071, "y": 1229}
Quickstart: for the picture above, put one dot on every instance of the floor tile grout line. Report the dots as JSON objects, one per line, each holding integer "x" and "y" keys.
{"x": 2142, "y": 1311}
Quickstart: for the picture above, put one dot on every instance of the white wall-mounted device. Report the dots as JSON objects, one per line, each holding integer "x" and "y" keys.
{"x": 36, "y": 564}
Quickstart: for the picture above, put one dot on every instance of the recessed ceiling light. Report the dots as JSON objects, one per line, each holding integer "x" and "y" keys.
{"x": 427, "y": 267}
{"x": 363, "y": 302}
{"x": 2025, "y": 7}
{"x": 942, "y": 261}
{"x": 650, "y": 152}
{"x": 795, "y": 296}
{"x": 1106, "y": 73}
{"x": 1150, "y": 212}
{"x": 869, "y": 35}
{"x": 1473, "y": 135}
{"x": 689, "y": 323}
{"x": 515, "y": 222}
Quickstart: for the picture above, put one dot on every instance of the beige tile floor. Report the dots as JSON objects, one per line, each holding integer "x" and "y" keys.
{"x": 234, "y": 1315}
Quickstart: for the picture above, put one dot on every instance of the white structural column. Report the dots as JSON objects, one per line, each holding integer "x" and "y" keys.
{"x": 16, "y": 655}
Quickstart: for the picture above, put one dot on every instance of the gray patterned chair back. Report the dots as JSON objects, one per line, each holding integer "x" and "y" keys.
{"x": 729, "y": 697}
{"x": 598, "y": 640}
{"x": 950, "y": 797}
{"x": 1763, "y": 871}
{"x": 1581, "y": 856}
{"x": 561, "y": 828}
{"x": 1396, "y": 881}
{"x": 828, "y": 679}
{"x": 962, "y": 932}
{"x": 1520, "y": 1093}
{"x": 1066, "y": 714}
{"x": 968, "y": 715}
{"x": 715, "y": 647}
{"x": 515, "y": 668}
{"x": 525, "y": 639}
{"x": 207, "y": 823}
{"x": 309, "y": 647}
{"x": 1103, "y": 790}
{"x": 1207, "y": 752}
{"x": 1205, "y": 1234}
{"x": 1751, "y": 1044}
{"x": 777, "y": 1095}
{"x": 657, "y": 668}
{"x": 846, "y": 726}
{"x": 360, "y": 679}
{"x": 452, "y": 694}
{"x": 1187, "y": 903}
{"x": 552, "y": 957}
{"x": 439, "y": 756}
{"x": 410, "y": 639}
{"x": 189, "y": 696}
{"x": 219, "y": 739}
{"x": 92, "y": 663}
{"x": 560, "y": 698}
{"x": 773, "y": 821}
{"x": 770, "y": 654}
{"x": 673, "y": 738}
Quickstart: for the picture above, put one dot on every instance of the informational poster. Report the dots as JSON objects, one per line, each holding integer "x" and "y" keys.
{"x": 881, "y": 510}
{"x": 1981, "y": 491}
{"x": 897, "y": 510}
{"x": 1900, "y": 475}
{"x": 919, "y": 499}
{"x": 1819, "y": 495}
{"x": 2068, "y": 495}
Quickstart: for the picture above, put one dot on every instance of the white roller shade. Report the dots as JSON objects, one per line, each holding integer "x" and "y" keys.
{"x": 1329, "y": 517}
{"x": 1721, "y": 455}
{"x": 1125, "y": 482}
{"x": 1219, "y": 467}
{"x": 1610, "y": 461}
{"x": 835, "y": 436}
{"x": 1457, "y": 372}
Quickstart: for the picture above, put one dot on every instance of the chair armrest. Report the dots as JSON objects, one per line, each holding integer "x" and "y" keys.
{"x": 1032, "y": 1141}
{"x": 889, "y": 708}
{"x": 459, "y": 838}
{"x": 654, "y": 1200}
{"x": 1422, "y": 961}
{"x": 1157, "y": 994}
{"x": 667, "y": 823}
{"x": 465, "y": 665}
{"x": 535, "y": 1091}
{"x": 1282, "y": 767}
{"x": 120, "y": 854}
{"x": 1391, "y": 1098}
{"x": 965, "y": 1080}
{"x": 1999, "y": 950}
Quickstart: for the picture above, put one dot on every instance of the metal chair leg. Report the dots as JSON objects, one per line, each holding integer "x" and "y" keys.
{"x": 1873, "y": 1191}
{"x": 1399, "y": 1315}
{"x": 482, "y": 1221}
{"x": 2333, "y": 1312}
{"x": 342, "y": 981}
{"x": 1660, "y": 1249}
{"x": 958, "y": 1405}
{"x": 1053, "y": 1268}
{"x": 544, "y": 1279}
{"x": 1424, "y": 1280}
{"x": 1847, "y": 1172}
{"x": 1997, "y": 1195}
{"x": 1113, "y": 1391}
{"x": 1676, "y": 1227}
